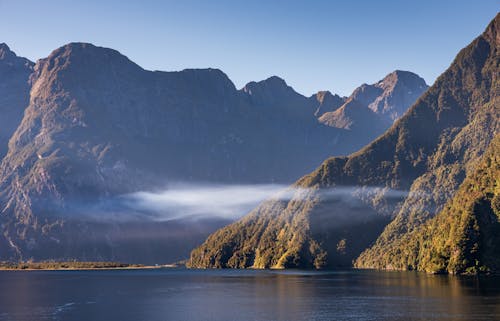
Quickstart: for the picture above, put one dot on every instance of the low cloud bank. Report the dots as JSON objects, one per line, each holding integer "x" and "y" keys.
{"x": 197, "y": 200}
{"x": 234, "y": 201}
{"x": 202, "y": 201}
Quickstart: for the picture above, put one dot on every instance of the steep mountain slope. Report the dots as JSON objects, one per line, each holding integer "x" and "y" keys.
{"x": 407, "y": 174}
{"x": 97, "y": 126}
{"x": 465, "y": 236}
{"x": 324, "y": 101}
{"x": 373, "y": 108}
{"x": 386, "y": 97}
{"x": 355, "y": 116}
{"x": 14, "y": 92}
{"x": 459, "y": 150}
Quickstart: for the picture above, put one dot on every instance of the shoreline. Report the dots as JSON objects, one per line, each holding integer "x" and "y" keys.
{"x": 120, "y": 266}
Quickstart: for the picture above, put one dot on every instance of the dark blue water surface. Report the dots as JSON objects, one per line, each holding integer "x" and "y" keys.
{"x": 177, "y": 294}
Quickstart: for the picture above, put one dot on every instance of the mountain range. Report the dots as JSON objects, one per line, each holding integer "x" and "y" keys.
{"x": 424, "y": 195}
{"x": 86, "y": 125}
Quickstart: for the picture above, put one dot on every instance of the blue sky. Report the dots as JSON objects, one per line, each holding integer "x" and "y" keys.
{"x": 314, "y": 45}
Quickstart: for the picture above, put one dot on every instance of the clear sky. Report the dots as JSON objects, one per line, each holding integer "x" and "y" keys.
{"x": 314, "y": 45}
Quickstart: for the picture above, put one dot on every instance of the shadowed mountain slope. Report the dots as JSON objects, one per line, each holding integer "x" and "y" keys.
{"x": 14, "y": 92}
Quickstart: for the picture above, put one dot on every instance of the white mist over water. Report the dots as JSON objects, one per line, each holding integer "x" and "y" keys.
{"x": 196, "y": 200}
{"x": 188, "y": 200}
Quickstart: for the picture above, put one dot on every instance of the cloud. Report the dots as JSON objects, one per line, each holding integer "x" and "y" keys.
{"x": 234, "y": 201}
{"x": 228, "y": 201}
{"x": 196, "y": 200}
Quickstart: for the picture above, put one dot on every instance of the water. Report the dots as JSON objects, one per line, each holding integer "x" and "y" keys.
{"x": 245, "y": 295}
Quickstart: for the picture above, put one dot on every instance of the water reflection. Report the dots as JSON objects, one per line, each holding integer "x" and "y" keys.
{"x": 245, "y": 295}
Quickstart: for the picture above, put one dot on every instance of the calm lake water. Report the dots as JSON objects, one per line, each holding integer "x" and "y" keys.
{"x": 179, "y": 295}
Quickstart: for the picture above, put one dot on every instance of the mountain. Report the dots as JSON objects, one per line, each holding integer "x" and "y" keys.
{"x": 355, "y": 116}
{"x": 366, "y": 201}
{"x": 324, "y": 102}
{"x": 464, "y": 237}
{"x": 472, "y": 86}
{"x": 372, "y": 109}
{"x": 96, "y": 126}
{"x": 274, "y": 91}
{"x": 387, "y": 97}
{"x": 14, "y": 92}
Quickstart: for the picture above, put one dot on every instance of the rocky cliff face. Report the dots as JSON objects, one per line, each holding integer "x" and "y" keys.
{"x": 324, "y": 102}
{"x": 97, "y": 126}
{"x": 388, "y": 96}
{"x": 403, "y": 178}
{"x": 14, "y": 92}
{"x": 372, "y": 109}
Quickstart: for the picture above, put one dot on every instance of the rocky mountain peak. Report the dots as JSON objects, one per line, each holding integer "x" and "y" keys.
{"x": 5, "y": 51}
{"x": 492, "y": 32}
{"x": 82, "y": 65}
{"x": 366, "y": 94}
{"x": 9, "y": 57}
{"x": 85, "y": 56}
{"x": 391, "y": 96}
{"x": 324, "y": 102}
{"x": 322, "y": 95}
{"x": 401, "y": 77}
{"x": 269, "y": 84}
{"x": 273, "y": 89}
{"x": 374, "y": 106}
{"x": 209, "y": 78}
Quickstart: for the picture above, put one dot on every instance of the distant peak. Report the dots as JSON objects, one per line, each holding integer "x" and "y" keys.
{"x": 86, "y": 56}
{"x": 80, "y": 45}
{"x": 401, "y": 76}
{"x": 324, "y": 101}
{"x": 5, "y": 51}
{"x": 322, "y": 95}
{"x": 209, "y": 75}
{"x": 275, "y": 80}
{"x": 403, "y": 72}
{"x": 74, "y": 48}
{"x": 209, "y": 71}
{"x": 10, "y": 58}
{"x": 3, "y": 46}
{"x": 273, "y": 90}
{"x": 273, "y": 83}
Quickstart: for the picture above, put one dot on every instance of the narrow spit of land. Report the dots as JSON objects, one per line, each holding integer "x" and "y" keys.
{"x": 75, "y": 265}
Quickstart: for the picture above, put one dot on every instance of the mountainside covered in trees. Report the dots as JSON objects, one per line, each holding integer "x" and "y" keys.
{"x": 464, "y": 237}
{"x": 86, "y": 125}
{"x": 383, "y": 192}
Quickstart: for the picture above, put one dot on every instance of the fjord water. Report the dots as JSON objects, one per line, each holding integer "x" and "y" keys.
{"x": 178, "y": 294}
